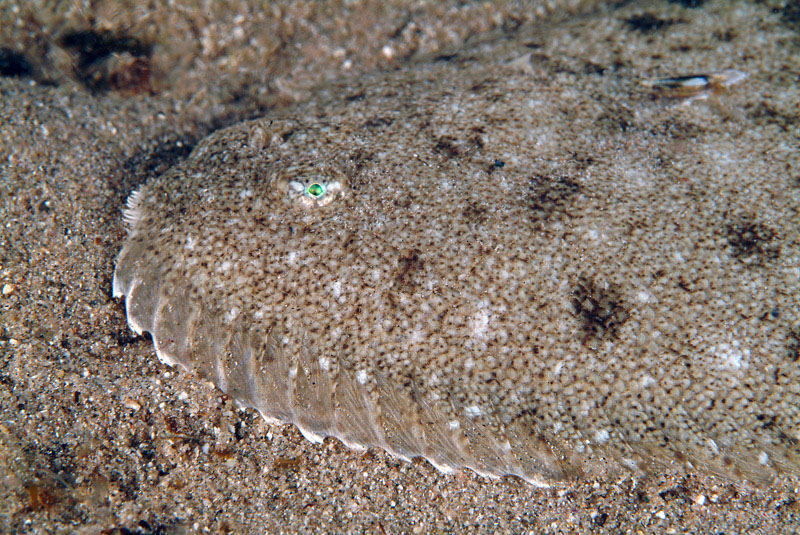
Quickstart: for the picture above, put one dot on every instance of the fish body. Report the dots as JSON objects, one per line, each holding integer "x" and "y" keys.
{"x": 696, "y": 86}
{"x": 364, "y": 268}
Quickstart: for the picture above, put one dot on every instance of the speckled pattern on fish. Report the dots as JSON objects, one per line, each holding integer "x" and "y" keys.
{"x": 529, "y": 266}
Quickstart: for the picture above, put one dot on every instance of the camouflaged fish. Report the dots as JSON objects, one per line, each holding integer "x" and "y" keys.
{"x": 500, "y": 260}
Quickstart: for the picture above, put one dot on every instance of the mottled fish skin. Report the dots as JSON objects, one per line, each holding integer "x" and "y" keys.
{"x": 526, "y": 269}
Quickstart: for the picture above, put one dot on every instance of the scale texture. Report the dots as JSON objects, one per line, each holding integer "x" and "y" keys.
{"x": 529, "y": 267}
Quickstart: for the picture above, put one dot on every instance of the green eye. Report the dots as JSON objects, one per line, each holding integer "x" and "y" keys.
{"x": 314, "y": 194}
{"x": 315, "y": 190}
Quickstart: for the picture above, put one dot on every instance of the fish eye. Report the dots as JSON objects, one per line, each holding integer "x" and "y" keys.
{"x": 316, "y": 191}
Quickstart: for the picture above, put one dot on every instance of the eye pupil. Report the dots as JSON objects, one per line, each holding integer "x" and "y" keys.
{"x": 315, "y": 190}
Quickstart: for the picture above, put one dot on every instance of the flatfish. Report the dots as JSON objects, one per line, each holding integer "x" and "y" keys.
{"x": 510, "y": 259}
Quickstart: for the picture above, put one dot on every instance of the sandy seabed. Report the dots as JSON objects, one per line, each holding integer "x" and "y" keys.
{"x": 97, "y": 436}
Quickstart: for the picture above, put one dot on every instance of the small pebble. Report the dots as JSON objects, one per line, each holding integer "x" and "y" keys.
{"x": 131, "y": 404}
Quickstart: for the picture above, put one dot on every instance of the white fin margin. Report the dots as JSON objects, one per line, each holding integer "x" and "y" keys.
{"x": 132, "y": 213}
